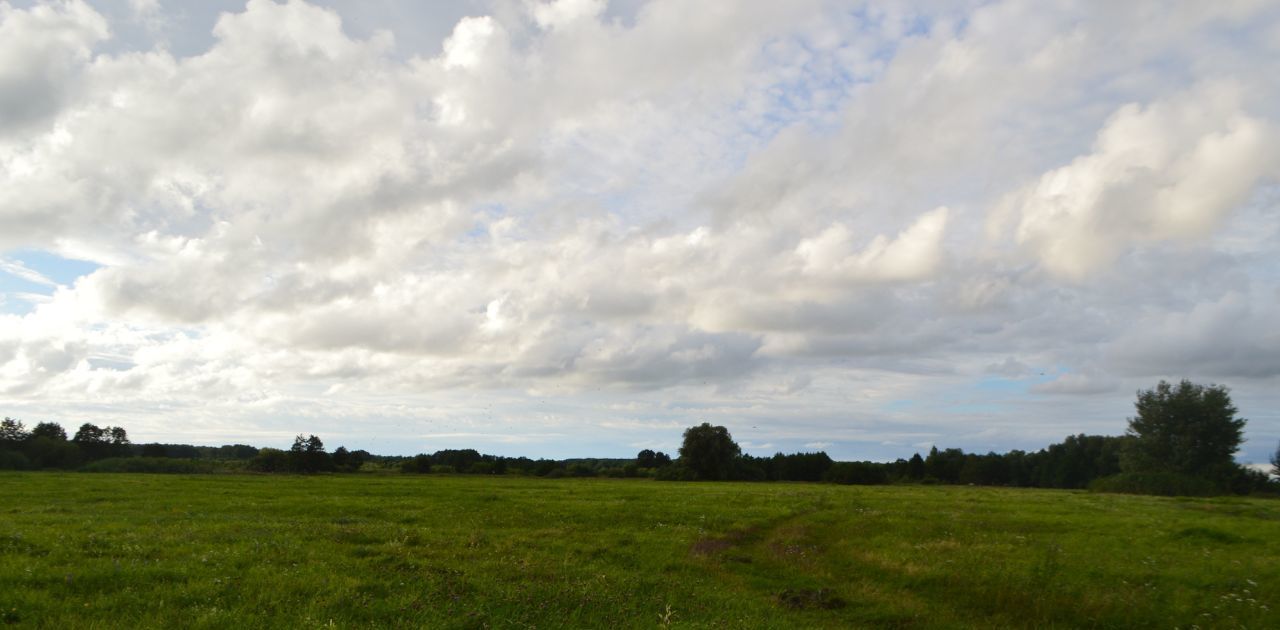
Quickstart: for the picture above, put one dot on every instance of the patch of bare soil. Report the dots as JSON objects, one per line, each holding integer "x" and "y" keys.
{"x": 810, "y": 598}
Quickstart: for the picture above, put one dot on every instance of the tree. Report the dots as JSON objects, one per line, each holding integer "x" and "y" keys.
{"x": 348, "y": 461}
{"x": 118, "y": 436}
{"x": 1186, "y": 428}
{"x": 89, "y": 434}
{"x": 915, "y": 467}
{"x": 307, "y": 455}
{"x": 709, "y": 452}
{"x": 646, "y": 459}
{"x": 98, "y": 442}
{"x": 270, "y": 460}
{"x": 1275, "y": 462}
{"x": 12, "y": 432}
{"x": 50, "y": 430}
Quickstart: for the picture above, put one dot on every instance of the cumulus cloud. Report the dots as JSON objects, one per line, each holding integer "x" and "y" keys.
{"x": 785, "y": 212}
{"x": 1171, "y": 169}
{"x": 913, "y": 255}
{"x": 42, "y": 50}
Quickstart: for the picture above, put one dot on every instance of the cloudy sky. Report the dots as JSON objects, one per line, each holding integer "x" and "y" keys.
{"x": 577, "y": 227}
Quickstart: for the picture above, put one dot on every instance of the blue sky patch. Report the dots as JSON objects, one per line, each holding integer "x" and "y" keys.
{"x": 28, "y": 273}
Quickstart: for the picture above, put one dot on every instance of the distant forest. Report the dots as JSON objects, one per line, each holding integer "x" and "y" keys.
{"x": 1076, "y": 462}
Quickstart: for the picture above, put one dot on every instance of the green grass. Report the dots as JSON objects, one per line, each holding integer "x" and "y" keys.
{"x": 214, "y": 551}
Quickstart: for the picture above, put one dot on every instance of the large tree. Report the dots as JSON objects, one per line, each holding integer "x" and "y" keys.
{"x": 1185, "y": 428}
{"x": 13, "y": 432}
{"x": 308, "y": 455}
{"x": 50, "y": 430}
{"x": 709, "y": 452}
{"x": 1275, "y": 462}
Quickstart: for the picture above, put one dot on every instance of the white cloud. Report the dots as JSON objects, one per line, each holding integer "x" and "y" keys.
{"x": 562, "y": 13}
{"x": 913, "y": 255}
{"x": 689, "y": 209}
{"x": 1076, "y": 383}
{"x": 42, "y": 50}
{"x": 1168, "y": 170}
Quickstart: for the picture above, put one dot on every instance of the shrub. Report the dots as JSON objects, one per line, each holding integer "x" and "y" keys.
{"x": 1165, "y": 484}
{"x": 46, "y": 452}
{"x": 13, "y": 460}
{"x": 270, "y": 460}
{"x": 1244, "y": 480}
{"x": 443, "y": 469}
{"x": 147, "y": 465}
{"x": 419, "y": 464}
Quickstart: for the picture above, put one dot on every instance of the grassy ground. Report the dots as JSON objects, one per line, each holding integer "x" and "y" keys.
{"x": 80, "y": 550}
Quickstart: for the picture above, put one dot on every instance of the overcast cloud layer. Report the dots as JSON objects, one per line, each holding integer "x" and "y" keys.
{"x": 575, "y": 228}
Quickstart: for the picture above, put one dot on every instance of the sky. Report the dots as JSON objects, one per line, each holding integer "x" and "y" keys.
{"x": 575, "y": 228}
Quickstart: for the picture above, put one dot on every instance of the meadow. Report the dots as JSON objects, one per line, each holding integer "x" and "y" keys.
{"x": 401, "y": 551}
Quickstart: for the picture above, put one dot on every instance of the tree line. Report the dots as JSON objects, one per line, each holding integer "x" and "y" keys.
{"x": 46, "y": 445}
{"x": 1180, "y": 442}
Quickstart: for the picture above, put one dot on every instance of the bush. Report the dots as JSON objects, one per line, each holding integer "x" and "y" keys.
{"x": 13, "y": 460}
{"x": 45, "y": 452}
{"x": 1243, "y": 480}
{"x": 443, "y": 469}
{"x": 419, "y": 464}
{"x": 1165, "y": 484}
{"x": 147, "y": 465}
{"x": 270, "y": 460}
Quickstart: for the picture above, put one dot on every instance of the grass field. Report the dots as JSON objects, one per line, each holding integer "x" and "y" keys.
{"x": 82, "y": 550}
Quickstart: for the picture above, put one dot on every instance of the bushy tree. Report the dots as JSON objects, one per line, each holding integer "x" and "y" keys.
{"x": 88, "y": 433}
{"x": 799, "y": 466}
{"x": 709, "y": 452}
{"x": 12, "y": 436}
{"x": 270, "y": 460}
{"x": 12, "y": 432}
{"x": 50, "y": 430}
{"x": 348, "y": 461}
{"x": 460, "y": 460}
{"x": 100, "y": 442}
{"x": 1275, "y": 462}
{"x": 944, "y": 465}
{"x": 915, "y": 467}
{"x": 308, "y": 455}
{"x": 1187, "y": 429}
{"x": 646, "y": 459}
